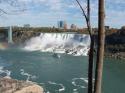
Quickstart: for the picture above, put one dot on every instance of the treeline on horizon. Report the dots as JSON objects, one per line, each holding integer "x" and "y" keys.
{"x": 58, "y": 30}
{"x": 48, "y": 29}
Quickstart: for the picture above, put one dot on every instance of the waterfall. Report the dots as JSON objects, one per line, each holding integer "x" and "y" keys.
{"x": 75, "y": 44}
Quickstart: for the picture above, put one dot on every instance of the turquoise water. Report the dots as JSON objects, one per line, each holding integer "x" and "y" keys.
{"x": 114, "y": 76}
{"x": 67, "y": 74}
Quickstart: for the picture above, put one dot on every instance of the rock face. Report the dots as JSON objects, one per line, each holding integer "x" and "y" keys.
{"x": 21, "y": 37}
{"x": 14, "y": 86}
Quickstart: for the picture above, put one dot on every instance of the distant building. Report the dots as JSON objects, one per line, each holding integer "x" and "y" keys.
{"x": 65, "y": 26}
{"x": 122, "y": 30}
{"x": 107, "y": 27}
{"x": 123, "y": 27}
{"x": 26, "y": 25}
{"x": 73, "y": 27}
{"x": 62, "y": 25}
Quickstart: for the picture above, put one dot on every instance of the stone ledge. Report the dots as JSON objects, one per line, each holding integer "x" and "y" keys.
{"x": 8, "y": 85}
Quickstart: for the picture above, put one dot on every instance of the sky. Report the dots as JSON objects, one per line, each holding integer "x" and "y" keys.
{"x": 46, "y": 13}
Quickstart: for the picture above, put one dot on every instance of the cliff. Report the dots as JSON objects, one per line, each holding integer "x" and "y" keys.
{"x": 22, "y": 36}
{"x": 115, "y": 45}
{"x": 115, "y": 42}
{"x": 8, "y": 85}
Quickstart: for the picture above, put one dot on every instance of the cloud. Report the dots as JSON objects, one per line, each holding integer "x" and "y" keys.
{"x": 43, "y": 12}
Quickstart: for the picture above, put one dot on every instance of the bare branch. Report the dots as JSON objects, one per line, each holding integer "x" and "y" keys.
{"x": 86, "y": 18}
{"x": 2, "y": 11}
{"x": 91, "y": 52}
{"x": 84, "y": 14}
{"x": 18, "y": 7}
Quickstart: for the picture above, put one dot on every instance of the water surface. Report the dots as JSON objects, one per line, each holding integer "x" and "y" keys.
{"x": 67, "y": 74}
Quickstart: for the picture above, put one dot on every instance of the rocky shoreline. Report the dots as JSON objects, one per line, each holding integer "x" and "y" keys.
{"x": 8, "y": 85}
{"x": 119, "y": 55}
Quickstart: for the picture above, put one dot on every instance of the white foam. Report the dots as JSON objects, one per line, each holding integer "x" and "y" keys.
{"x": 29, "y": 76}
{"x": 74, "y": 82}
{"x": 3, "y": 71}
{"x": 75, "y": 91}
{"x": 83, "y": 79}
{"x": 61, "y": 89}
{"x": 76, "y": 44}
{"x": 62, "y": 86}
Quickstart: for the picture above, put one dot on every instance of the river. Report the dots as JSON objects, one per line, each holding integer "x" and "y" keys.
{"x": 67, "y": 74}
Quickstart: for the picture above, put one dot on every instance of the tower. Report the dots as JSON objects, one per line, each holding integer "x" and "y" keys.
{"x": 10, "y": 35}
{"x": 62, "y": 25}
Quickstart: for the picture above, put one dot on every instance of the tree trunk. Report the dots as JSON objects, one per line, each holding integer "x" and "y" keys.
{"x": 91, "y": 52}
{"x": 100, "y": 50}
{"x": 90, "y": 67}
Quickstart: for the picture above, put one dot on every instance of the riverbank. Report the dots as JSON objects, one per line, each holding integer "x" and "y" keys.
{"x": 118, "y": 55}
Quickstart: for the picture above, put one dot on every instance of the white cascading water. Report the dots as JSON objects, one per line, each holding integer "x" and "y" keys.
{"x": 74, "y": 44}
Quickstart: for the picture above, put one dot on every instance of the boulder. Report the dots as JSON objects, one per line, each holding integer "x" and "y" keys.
{"x": 8, "y": 85}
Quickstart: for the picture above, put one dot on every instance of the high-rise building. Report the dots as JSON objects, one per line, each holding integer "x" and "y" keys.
{"x": 26, "y": 25}
{"x": 65, "y": 26}
{"x": 62, "y": 24}
{"x": 73, "y": 27}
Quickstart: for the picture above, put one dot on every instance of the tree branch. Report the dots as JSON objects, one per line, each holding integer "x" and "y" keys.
{"x": 91, "y": 52}
{"x": 1, "y": 10}
{"x": 14, "y": 3}
{"x": 86, "y": 18}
